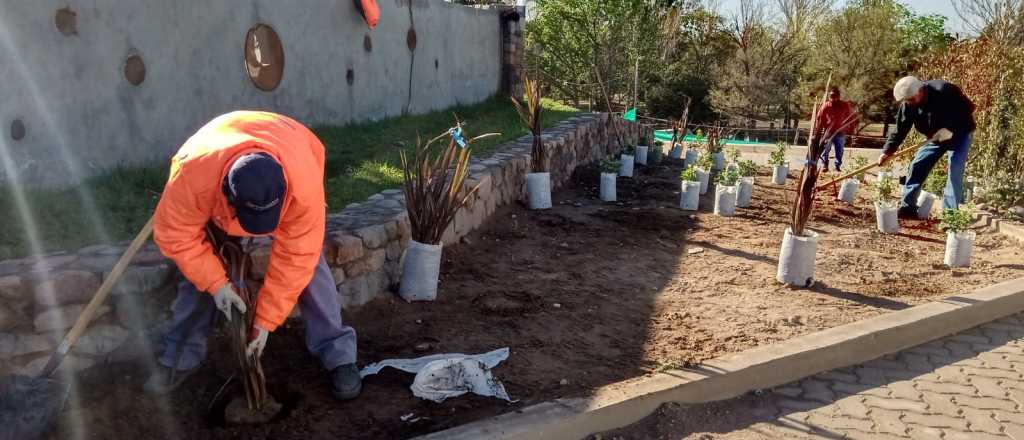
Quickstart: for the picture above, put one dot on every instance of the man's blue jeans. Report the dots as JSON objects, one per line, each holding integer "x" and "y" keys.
{"x": 926, "y": 158}
{"x": 838, "y": 142}
{"x": 326, "y": 337}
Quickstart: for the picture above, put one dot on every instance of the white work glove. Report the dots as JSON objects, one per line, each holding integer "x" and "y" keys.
{"x": 257, "y": 340}
{"x": 942, "y": 135}
{"x": 225, "y": 297}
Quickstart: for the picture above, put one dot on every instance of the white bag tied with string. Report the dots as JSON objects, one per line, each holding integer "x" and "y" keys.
{"x": 440, "y": 376}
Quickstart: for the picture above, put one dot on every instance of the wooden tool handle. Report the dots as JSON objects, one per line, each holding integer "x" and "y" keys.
{"x": 97, "y": 299}
{"x": 864, "y": 168}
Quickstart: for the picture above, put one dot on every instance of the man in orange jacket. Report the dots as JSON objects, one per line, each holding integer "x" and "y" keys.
{"x": 251, "y": 174}
{"x": 838, "y": 119}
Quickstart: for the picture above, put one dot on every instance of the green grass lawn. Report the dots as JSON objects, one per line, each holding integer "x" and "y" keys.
{"x": 362, "y": 159}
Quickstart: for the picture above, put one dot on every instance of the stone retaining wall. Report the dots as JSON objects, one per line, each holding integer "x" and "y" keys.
{"x": 42, "y": 297}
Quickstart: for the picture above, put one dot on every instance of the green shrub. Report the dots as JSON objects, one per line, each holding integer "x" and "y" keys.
{"x": 747, "y": 168}
{"x": 629, "y": 149}
{"x": 778, "y": 157}
{"x": 734, "y": 155}
{"x": 958, "y": 220}
{"x": 885, "y": 191}
{"x": 936, "y": 181}
{"x": 706, "y": 160}
{"x": 728, "y": 177}
{"x": 858, "y": 163}
{"x": 689, "y": 174}
{"x": 610, "y": 166}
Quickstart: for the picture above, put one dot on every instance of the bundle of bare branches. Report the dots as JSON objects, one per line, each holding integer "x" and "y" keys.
{"x": 433, "y": 184}
{"x": 238, "y": 263}
{"x": 530, "y": 115}
{"x": 804, "y": 202}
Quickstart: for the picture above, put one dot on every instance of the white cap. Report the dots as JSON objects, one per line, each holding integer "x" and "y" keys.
{"x": 906, "y": 87}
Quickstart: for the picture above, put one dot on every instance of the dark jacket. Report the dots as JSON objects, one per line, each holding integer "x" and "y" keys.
{"x": 946, "y": 106}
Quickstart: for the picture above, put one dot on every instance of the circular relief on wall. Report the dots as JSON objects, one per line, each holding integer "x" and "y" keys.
{"x": 350, "y": 76}
{"x": 410, "y": 39}
{"x": 367, "y": 43}
{"x": 264, "y": 57}
{"x": 134, "y": 70}
{"x": 17, "y": 130}
{"x": 66, "y": 21}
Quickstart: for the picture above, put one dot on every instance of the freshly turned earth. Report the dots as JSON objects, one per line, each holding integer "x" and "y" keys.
{"x": 238, "y": 412}
{"x": 584, "y": 294}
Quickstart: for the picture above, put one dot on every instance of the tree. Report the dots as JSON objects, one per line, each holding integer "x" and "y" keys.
{"x": 691, "y": 63}
{"x": 867, "y": 45}
{"x": 997, "y": 20}
{"x": 574, "y": 44}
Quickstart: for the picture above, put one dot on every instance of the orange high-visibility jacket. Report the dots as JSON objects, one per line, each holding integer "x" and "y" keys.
{"x": 193, "y": 196}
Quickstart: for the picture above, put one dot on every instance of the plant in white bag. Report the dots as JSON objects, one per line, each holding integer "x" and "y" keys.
{"x": 848, "y": 189}
{"x": 959, "y": 236}
{"x": 626, "y": 161}
{"x": 689, "y": 189}
{"x": 538, "y": 181}
{"x": 609, "y": 171}
{"x": 780, "y": 166}
{"x": 886, "y": 205}
{"x": 725, "y": 193}
{"x": 654, "y": 156}
{"x": 433, "y": 183}
{"x": 745, "y": 189}
{"x": 703, "y": 168}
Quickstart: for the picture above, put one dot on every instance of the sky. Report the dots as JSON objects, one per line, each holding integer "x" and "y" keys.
{"x": 944, "y": 7}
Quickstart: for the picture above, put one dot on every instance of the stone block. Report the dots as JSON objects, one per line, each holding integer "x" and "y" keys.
{"x": 140, "y": 280}
{"x": 100, "y": 339}
{"x": 8, "y": 341}
{"x": 60, "y": 318}
{"x": 338, "y": 273}
{"x": 391, "y": 228}
{"x": 8, "y": 318}
{"x": 13, "y": 289}
{"x": 67, "y": 286}
{"x": 345, "y": 247}
{"x": 393, "y": 272}
{"x": 97, "y": 263}
{"x": 373, "y": 261}
{"x": 27, "y": 343}
{"x": 394, "y": 251}
{"x": 356, "y": 292}
{"x": 374, "y": 236}
{"x": 70, "y": 364}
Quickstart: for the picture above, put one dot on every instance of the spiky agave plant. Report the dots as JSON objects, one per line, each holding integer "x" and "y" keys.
{"x": 433, "y": 184}
{"x": 530, "y": 115}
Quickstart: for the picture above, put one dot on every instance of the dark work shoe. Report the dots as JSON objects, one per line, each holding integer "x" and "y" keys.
{"x": 164, "y": 380}
{"x": 907, "y": 213}
{"x": 345, "y": 382}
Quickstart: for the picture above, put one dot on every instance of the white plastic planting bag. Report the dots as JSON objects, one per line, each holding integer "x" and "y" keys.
{"x": 626, "y": 165}
{"x": 641, "y": 154}
{"x": 719, "y": 161}
{"x": 725, "y": 201}
{"x": 959, "y": 246}
{"x": 703, "y": 177}
{"x": 676, "y": 152}
{"x": 887, "y": 220}
{"x": 538, "y": 190}
{"x": 608, "y": 187}
{"x": 421, "y": 267}
{"x": 440, "y": 376}
{"x": 796, "y": 258}
{"x": 691, "y": 157}
{"x": 745, "y": 192}
{"x": 779, "y": 174}
{"x": 689, "y": 195}
{"x": 925, "y": 201}
{"x": 848, "y": 191}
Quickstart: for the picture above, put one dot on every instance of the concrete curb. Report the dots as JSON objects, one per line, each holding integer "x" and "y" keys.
{"x": 626, "y": 402}
{"x": 1004, "y": 227}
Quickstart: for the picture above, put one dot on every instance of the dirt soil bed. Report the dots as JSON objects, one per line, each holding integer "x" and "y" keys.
{"x": 584, "y": 295}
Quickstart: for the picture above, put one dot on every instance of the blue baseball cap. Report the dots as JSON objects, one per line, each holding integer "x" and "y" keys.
{"x": 255, "y": 187}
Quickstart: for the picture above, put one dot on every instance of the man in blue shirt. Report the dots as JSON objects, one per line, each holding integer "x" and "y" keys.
{"x": 940, "y": 111}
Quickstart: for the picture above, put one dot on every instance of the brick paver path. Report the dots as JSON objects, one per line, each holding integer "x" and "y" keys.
{"x": 966, "y": 386}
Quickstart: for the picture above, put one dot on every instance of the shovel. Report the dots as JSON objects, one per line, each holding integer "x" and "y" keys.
{"x": 29, "y": 405}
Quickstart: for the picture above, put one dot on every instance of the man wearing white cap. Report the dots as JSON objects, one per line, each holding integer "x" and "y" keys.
{"x": 939, "y": 110}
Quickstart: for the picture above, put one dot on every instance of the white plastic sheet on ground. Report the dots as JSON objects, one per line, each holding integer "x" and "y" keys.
{"x": 440, "y": 376}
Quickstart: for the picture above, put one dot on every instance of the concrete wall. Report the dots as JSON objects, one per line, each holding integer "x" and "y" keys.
{"x": 81, "y": 115}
